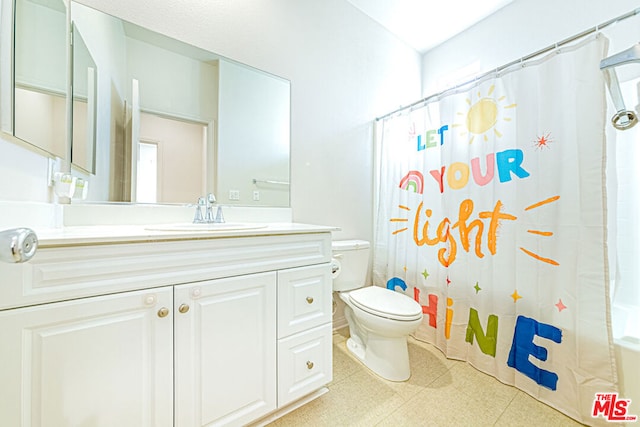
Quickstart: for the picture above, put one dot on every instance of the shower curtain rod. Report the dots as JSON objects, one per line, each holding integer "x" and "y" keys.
{"x": 518, "y": 61}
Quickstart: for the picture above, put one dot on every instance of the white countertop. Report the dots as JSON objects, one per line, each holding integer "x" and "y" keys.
{"x": 109, "y": 234}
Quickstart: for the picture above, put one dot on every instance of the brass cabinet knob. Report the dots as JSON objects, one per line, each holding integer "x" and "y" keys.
{"x": 310, "y": 300}
{"x": 183, "y": 308}
{"x": 163, "y": 312}
{"x": 309, "y": 364}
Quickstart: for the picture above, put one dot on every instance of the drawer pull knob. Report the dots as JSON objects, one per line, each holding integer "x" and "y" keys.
{"x": 183, "y": 308}
{"x": 163, "y": 312}
{"x": 309, "y": 364}
{"x": 310, "y": 300}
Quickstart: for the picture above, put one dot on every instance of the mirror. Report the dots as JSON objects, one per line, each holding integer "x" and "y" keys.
{"x": 83, "y": 134}
{"x": 40, "y": 75}
{"x": 161, "y": 121}
{"x": 150, "y": 119}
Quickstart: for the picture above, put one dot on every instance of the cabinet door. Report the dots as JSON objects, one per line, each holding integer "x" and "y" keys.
{"x": 225, "y": 350}
{"x": 101, "y": 361}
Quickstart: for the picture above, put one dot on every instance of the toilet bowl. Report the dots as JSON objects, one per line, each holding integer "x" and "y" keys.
{"x": 379, "y": 319}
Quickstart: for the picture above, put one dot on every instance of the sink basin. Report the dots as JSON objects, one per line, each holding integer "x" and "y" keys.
{"x": 187, "y": 226}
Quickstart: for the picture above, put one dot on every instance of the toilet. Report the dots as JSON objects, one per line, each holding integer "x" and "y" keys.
{"x": 379, "y": 319}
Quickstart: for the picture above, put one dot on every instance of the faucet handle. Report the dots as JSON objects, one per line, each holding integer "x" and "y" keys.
{"x": 211, "y": 198}
{"x": 219, "y": 219}
{"x": 198, "y": 218}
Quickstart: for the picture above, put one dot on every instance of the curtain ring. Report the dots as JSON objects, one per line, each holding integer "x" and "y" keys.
{"x": 624, "y": 120}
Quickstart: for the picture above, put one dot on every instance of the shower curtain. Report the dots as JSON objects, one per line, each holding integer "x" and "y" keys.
{"x": 491, "y": 213}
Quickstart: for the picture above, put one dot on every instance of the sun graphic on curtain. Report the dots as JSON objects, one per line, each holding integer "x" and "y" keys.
{"x": 482, "y": 116}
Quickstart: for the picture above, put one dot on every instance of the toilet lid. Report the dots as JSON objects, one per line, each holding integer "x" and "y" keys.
{"x": 386, "y": 303}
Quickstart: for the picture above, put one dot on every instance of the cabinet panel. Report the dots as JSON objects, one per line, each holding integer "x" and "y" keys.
{"x": 103, "y": 361}
{"x": 59, "y": 273}
{"x": 304, "y": 298}
{"x": 304, "y": 363}
{"x": 225, "y": 350}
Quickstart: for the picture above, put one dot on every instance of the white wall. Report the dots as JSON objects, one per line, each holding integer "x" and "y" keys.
{"x": 517, "y": 30}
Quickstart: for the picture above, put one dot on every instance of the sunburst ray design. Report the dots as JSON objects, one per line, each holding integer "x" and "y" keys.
{"x": 406, "y": 208}
{"x": 539, "y": 232}
{"x": 542, "y": 203}
{"x": 538, "y": 257}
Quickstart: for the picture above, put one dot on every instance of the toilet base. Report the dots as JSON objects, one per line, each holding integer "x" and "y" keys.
{"x": 387, "y": 357}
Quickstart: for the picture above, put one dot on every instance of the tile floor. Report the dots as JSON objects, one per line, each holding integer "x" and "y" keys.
{"x": 465, "y": 397}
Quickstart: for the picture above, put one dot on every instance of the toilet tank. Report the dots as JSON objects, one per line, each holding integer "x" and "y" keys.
{"x": 350, "y": 263}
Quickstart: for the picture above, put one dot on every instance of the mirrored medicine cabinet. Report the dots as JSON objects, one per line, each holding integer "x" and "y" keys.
{"x": 142, "y": 117}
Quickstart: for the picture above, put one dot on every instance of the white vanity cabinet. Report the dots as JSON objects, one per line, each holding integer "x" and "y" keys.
{"x": 165, "y": 331}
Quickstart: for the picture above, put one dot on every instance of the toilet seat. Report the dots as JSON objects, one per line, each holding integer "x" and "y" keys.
{"x": 386, "y": 303}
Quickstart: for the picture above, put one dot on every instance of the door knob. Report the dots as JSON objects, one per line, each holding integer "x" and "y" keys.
{"x": 163, "y": 312}
{"x": 183, "y": 308}
{"x": 18, "y": 245}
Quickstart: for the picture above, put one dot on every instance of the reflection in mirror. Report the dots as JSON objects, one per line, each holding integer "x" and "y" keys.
{"x": 174, "y": 122}
{"x": 40, "y": 74}
{"x": 171, "y": 166}
{"x": 83, "y": 137}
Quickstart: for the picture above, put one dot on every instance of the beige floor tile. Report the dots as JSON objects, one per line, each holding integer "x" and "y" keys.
{"x": 443, "y": 406}
{"x": 362, "y": 400}
{"x": 525, "y": 411}
{"x": 471, "y": 383}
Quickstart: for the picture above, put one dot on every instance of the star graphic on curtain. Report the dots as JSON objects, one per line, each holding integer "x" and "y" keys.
{"x": 405, "y": 268}
{"x": 425, "y": 274}
{"x": 515, "y": 296}
{"x": 560, "y": 305}
{"x": 448, "y": 281}
{"x": 477, "y": 287}
{"x": 543, "y": 141}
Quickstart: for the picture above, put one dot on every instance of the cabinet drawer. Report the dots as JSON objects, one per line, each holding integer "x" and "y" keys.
{"x": 304, "y": 363}
{"x": 62, "y": 273}
{"x": 304, "y": 298}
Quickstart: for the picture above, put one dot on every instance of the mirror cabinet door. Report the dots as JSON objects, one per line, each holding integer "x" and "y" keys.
{"x": 83, "y": 137}
{"x": 40, "y": 75}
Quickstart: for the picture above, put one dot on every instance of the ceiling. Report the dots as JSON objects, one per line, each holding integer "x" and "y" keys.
{"x": 424, "y": 24}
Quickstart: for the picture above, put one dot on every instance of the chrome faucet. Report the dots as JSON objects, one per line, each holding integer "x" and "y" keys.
{"x": 208, "y": 217}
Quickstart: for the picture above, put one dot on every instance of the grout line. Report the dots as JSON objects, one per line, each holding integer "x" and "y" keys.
{"x": 506, "y": 407}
